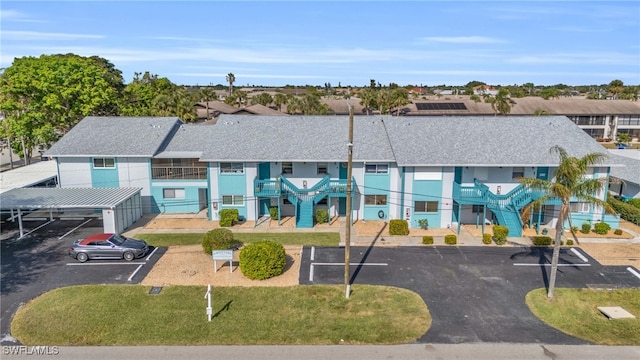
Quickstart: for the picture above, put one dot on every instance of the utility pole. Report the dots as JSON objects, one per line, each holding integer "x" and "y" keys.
{"x": 347, "y": 240}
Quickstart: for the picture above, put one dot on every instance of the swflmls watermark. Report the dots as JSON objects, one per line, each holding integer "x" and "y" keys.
{"x": 30, "y": 350}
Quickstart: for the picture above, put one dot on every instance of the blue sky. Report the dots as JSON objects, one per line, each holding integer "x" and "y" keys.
{"x": 339, "y": 42}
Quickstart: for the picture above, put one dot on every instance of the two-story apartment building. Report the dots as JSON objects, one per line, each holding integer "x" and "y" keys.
{"x": 448, "y": 170}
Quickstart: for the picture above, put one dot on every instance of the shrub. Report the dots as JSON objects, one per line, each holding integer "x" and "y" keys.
{"x": 586, "y": 228}
{"x": 228, "y": 217}
{"x": 575, "y": 229}
{"x": 500, "y": 234}
{"x": 541, "y": 240}
{"x": 219, "y": 239}
{"x": 398, "y": 227}
{"x": 427, "y": 240}
{"x": 617, "y": 232}
{"x": 450, "y": 239}
{"x": 635, "y": 202}
{"x": 486, "y": 239}
{"x": 569, "y": 242}
{"x": 273, "y": 212}
{"x": 263, "y": 260}
{"x": 626, "y": 211}
{"x": 322, "y": 216}
{"x": 424, "y": 224}
{"x": 601, "y": 228}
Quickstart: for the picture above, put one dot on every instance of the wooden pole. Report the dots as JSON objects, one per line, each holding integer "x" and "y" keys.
{"x": 347, "y": 240}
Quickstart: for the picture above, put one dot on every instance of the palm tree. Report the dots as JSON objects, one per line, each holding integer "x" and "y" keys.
{"x": 279, "y": 99}
{"x": 206, "y": 95}
{"x": 570, "y": 182}
{"x": 231, "y": 79}
{"x": 367, "y": 98}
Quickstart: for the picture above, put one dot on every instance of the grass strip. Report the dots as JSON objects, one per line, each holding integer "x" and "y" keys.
{"x": 575, "y": 312}
{"x": 128, "y": 315}
{"x": 293, "y": 238}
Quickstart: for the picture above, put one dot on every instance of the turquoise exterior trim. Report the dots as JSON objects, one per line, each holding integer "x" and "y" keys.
{"x": 376, "y": 184}
{"x": 233, "y": 184}
{"x": 188, "y": 204}
{"x": 426, "y": 190}
{"x": 209, "y": 208}
{"x": 104, "y": 177}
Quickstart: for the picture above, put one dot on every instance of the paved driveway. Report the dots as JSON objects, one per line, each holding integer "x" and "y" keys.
{"x": 474, "y": 294}
{"x": 39, "y": 262}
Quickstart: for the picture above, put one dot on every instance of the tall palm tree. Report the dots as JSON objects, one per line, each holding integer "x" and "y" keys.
{"x": 231, "y": 79}
{"x": 570, "y": 182}
{"x": 368, "y": 98}
{"x": 207, "y": 94}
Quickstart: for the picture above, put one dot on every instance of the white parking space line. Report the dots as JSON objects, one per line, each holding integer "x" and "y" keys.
{"x": 635, "y": 273}
{"x": 150, "y": 255}
{"x": 41, "y": 226}
{"x": 559, "y": 265}
{"x": 135, "y": 272}
{"x": 313, "y": 253}
{"x": 311, "y": 267}
{"x": 578, "y": 254}
{"x": 111, "y": 263}
{"x": 74, "y": 229}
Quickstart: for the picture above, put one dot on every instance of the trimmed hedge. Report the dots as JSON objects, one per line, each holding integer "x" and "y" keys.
{"x": 570, "y": 242}
{"x": 273, "y": 212}
{"x": 500, "y": 234}
{"x": 398, "y": 227}
{"x": 219, "y": 239}
{"x": 228, "y": 217}
{"x": 626, "y": 211}
{"x": 486, "y": 239}
{"x": 263, "y": 260}
{"x": 541, "y": 240}
{"x": 586, "y": 228}
{"x": 635, "y": 202}
{"x": 601, "y": 228}
{"x": 427, "y": 240}
{"x": 322, "y": 216}
{"x": 450, "y": 239}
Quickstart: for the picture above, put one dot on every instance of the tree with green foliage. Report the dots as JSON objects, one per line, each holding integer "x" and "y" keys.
{"x": 368, "y": 99}
{"x": 501, "y": 102}
{"x": 206, "y": 94}
{"x": 44, "y": 97}
{"x": 263, "y": 99}
{"x": 616, "y": 87}
{"x": 570, "y": 182}
{"x": 230, "y": 79}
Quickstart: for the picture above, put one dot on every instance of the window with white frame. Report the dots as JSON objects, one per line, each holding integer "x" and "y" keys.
{"x": 517, "y": 173}
{"x": 322, "y": 168}
{"x": 287, "y": 168}
{"x": 233, "y": 200}
{"x": 376, "y": 168}
{"x": 375, "y": 199}
{"x": 580, "y": 207}
{"x": 104, "y": 163}
{"x": 171, "y": 193}
{"x": 425, "y": 206}
{"x": 231, "y": 168}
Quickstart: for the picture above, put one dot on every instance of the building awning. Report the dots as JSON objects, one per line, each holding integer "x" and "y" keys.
{"x": 65, "y": 198}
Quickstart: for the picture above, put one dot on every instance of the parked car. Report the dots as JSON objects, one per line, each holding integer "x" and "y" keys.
{"x": 108, "y": 246}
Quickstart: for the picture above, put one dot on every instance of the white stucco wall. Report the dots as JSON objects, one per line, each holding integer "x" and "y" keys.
{"x": 74, "y": 172}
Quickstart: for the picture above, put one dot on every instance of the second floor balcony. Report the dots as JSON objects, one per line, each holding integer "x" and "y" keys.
{"x": 178, "y": 173}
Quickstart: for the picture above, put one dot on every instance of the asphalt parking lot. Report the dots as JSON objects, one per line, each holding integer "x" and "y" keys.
{"x": 474, "y": 294}
{"x": 39, "y": 262}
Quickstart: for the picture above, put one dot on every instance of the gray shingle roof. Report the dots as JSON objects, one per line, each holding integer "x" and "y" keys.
{"x": 116, "y": 136}
{"x": 490, "y": 140}
{"x": 631, "y": 170}
{"x": 43, "y": 198}
{"x": 284, "y": 138}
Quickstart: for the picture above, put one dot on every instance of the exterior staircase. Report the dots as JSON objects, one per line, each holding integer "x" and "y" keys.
{"x": 304, "y": 200}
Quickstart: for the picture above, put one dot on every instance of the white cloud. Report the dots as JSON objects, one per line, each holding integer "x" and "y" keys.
{"x": 464, "y": 39}
{"x": 48, "y": 36}
{"x": 16, "y": 16}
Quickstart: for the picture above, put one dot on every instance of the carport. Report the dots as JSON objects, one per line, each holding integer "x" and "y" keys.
{"x": 120, "y": 207}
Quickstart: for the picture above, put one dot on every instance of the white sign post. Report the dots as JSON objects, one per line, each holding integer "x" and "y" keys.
{"x": 208, "y": 297}
{"x": 224, "y": 255}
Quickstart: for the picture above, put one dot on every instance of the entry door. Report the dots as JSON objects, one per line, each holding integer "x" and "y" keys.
{"x": 543, "y": 173}
{"x": 264, "y": 173}
{"x": 342, "y": 202}
{"x": 203, "y": 198}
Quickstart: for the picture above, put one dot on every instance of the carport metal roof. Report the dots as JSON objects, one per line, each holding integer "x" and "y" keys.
{"x": 64, "y": 198}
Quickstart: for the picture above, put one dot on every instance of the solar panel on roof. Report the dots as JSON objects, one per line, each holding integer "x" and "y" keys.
{"x": 441, "y": 106}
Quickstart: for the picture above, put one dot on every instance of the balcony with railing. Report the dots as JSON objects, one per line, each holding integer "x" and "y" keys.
{"x": 178, "y": 173}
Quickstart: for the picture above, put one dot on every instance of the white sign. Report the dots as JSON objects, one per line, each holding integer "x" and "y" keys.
{"x": 224, "y": 255}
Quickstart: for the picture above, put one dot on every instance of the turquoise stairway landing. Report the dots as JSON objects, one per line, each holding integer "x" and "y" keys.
{"x": 305, "y": 214}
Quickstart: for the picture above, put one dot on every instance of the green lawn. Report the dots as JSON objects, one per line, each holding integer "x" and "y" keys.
{"x": 575, "y": 312}
{"x": 292, "y": 238}
{"x": 127, "y": 315}
{"x": 613, "y": 145}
